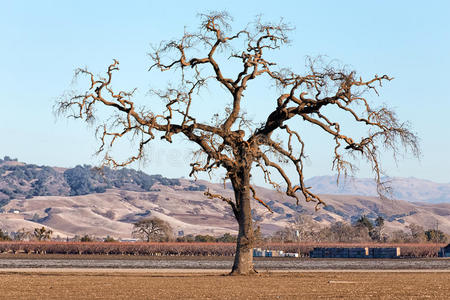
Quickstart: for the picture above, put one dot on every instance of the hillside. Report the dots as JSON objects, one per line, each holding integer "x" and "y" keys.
{"x": 19, "y": 180}
{"x": 82, "y": 201}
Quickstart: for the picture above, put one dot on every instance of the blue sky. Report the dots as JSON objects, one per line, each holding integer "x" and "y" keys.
{"x": 44, "y": 41}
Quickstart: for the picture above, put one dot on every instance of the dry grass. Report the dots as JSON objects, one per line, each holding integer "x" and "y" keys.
{"x": 305, "y": 285}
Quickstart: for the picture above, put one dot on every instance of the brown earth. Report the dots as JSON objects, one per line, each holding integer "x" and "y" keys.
{"x": 105, "y": 284}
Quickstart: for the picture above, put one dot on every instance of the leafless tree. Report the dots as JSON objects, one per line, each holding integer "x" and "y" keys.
{"x": 417, "y": 233}
{"x": 22, "y": 235}
{"x": 4, "y": 236}
{"x": 42, "y": 234}
{"x": 152, "y": 230}
{"x": 302, "y": 229}
{"x": 230, "y": 140}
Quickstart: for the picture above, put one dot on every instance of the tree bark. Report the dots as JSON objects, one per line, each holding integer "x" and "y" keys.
{"x": 243, "y": 260}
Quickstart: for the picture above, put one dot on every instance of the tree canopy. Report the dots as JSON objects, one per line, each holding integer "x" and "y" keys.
{"x": 230, "y": 140}
{"x": 152, "y": 230}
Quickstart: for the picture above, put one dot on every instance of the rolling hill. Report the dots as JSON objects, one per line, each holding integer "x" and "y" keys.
{"x": 82, "y": 201}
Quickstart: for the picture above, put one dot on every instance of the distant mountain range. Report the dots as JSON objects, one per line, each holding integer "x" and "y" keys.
{"x": 410, "y": 189}
{"x": 82, "y": 200}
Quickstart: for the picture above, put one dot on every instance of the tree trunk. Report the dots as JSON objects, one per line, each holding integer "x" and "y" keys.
{"x": 243, "y": 260}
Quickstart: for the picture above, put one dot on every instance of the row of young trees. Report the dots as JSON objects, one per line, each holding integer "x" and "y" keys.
{"x": 157, "y": 230}
{"x": 363, "y": 230}
{"x": 38, "y": 234}
{"x": 147, "y": 230}
{"x": 303, "y": 229}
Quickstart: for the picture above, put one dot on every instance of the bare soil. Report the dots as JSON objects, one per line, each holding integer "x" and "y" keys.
{"x": 104, "y": 284}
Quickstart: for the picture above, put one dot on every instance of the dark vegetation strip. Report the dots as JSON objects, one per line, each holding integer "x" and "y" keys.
{"x": 194, "y": 249}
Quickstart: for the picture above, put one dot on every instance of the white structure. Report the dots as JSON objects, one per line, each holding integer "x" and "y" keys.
{"x": 258, "y": 252}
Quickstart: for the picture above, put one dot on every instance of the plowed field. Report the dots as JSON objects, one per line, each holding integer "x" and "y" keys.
{"x": 108, "y": 284}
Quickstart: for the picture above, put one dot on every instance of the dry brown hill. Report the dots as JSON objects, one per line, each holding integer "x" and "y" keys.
{"x": 186, "y": 208}
{"x": 81, "y": 200}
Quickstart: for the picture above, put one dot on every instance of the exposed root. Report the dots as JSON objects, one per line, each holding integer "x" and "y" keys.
{"x": 251, "y": 272}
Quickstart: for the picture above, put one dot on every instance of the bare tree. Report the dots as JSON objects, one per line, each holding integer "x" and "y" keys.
{"x": 4, "y": 236}
{"x": 42, "y": 234}
{"x": 152, "y": 230}
{"x": 378, "y": 231}
{"x": 417, "y": 233}
{"x": 230, "y": 140}
{"x": 21, "y": 235}
{"x": 302, "y": 228}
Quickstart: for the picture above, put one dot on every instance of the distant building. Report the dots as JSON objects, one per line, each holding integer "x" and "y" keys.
{"x": 258, "y": 252}
{"x": 355, "y": 252}
{"x": 122, "y": 240}
{"x": 444, "y": 252}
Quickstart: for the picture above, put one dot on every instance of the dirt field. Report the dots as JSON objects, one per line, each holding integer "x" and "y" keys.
{"x": 103, "y": 284}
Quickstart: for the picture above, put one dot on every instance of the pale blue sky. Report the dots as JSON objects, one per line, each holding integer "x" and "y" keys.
{"x": 42, "y": 42}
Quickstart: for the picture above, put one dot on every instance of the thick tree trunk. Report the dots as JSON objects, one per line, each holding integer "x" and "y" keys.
{"x": 243, "y": 260}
